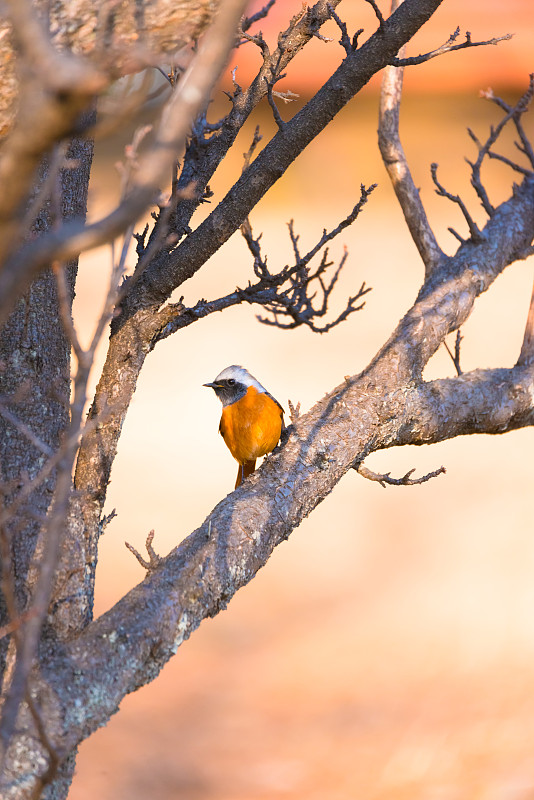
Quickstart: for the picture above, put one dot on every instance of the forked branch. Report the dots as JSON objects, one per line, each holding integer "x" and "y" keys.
{"x": 514, "y": 114}
{"x": 385, "y": 479}
{"x": 449, "y": 47}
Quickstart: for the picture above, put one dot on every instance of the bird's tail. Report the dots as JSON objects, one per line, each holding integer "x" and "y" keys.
{"x": 244, "y": 470}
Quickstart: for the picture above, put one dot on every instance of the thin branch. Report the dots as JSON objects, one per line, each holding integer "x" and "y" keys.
{"x": 65, "y": 312}
{"x": 106, "y": 519}
{"x": 455, "y": 357}
{"x": 287, "y": 97}
{"x": 377, "y": 11}
{"x": 509, "y": 163}
{"x": 449, "y": 47}
{"x": 247, "y": 22}
{"x": 285, "y": 293}
{"x": 396, "y": 163}
{"x": 260, "y": 42}
{"x": 73, "y": 440}
{"x": 276, "y": 114}
{"x": 511, "y": 113}
{"x": 385, "y": 479}
{"x": 247, "y": 157}
{"x": 345, "y": 41}
{"x": 442, "y": 192}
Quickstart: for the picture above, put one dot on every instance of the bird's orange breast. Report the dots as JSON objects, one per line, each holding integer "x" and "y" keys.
{"x": 251, "y": 426}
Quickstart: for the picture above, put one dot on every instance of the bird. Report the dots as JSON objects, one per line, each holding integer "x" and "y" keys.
{"x": 251, "y": 421}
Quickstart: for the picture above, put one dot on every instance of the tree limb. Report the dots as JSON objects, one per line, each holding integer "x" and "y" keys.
{"x": 354, "y": 72}
{"x": 449, "y": 47}
{"x": 397, "y": 167}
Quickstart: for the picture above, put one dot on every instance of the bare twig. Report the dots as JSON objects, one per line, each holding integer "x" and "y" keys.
{"x": 377, "y": 11}
{"x": 65, "y": 313}
{"x": 260, "y": 42}
{"x": 385, "y": 479}
{"x": 276, "y": 114}
{"x": 449, "y": 47}
{"x": 256, "y": 139}
{"x": 345, "y": 38}
{"x": 106, "y": 519}
{"x": 455, "y": 198}
{"x": 456, "y": 355}
{"x": 295, "y": 302}
{"x": 247, "y": 22}
{"x": 294, "y": 411}
{"x": 153, "y": 561}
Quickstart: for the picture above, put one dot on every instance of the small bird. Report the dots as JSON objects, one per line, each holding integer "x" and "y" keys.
{"x": 251, "y": 421}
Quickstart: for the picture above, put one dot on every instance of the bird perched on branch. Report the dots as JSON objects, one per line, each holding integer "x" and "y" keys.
{"x": 251, "y": 421}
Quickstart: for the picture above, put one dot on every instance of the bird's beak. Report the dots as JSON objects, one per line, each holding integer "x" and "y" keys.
{"x": 211, "y": 385}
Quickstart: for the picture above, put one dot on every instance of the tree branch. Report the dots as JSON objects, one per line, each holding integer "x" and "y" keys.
{"x": 397, "y": 167}
{"x": 385, "y": 479}
{"x": 449, "y": 47}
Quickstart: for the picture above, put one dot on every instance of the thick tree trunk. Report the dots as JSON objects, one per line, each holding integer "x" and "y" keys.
{"x": 34, "y": 413}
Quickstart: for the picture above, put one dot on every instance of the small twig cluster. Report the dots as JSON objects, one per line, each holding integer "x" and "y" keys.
{"x": 294, "y": 305}
{"x": 512, "y": 114}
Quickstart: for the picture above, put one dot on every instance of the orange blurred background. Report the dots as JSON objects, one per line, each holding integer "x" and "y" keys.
{"x": 387, "y": 649}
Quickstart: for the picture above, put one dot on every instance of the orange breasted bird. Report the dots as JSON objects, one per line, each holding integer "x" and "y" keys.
{"x": 251, "y": 421}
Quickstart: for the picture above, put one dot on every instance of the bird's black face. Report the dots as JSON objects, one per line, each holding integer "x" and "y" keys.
{"x": 228, "y": 390}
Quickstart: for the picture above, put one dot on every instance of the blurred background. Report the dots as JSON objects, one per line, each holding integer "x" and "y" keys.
{"x": 387, "y": 649}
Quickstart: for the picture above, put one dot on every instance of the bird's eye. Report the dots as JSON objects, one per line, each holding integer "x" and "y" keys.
{"x": 231, "y": 381}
